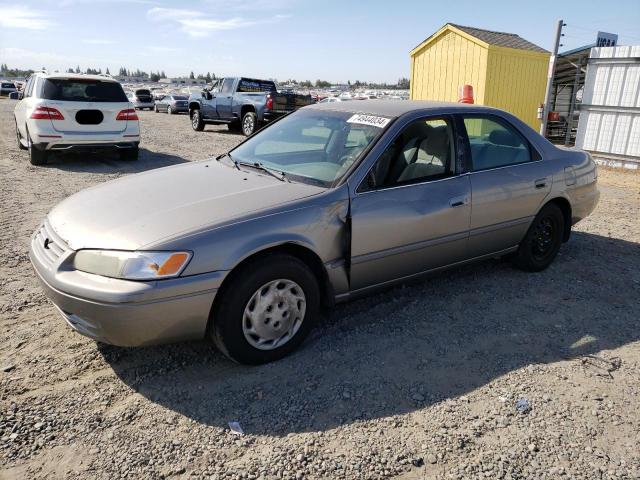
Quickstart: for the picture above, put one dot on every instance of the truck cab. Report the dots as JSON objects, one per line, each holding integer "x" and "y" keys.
{"x": 243, "y": 103}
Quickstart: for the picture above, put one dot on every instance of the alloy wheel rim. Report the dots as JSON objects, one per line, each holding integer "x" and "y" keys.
{"x": 543, "y": 238}
{"x": 248, "y": 124}
{"x": 274, "y": 314}
{"x": 194, "y": 119}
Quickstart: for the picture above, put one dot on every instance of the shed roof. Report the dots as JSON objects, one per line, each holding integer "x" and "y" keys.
{"x": 501, "y": 39}
{"x": 489, "y": 37}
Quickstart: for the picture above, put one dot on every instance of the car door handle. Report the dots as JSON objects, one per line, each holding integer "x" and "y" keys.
{"x": 457, "y": 202}
{"x": 540, "y": 183}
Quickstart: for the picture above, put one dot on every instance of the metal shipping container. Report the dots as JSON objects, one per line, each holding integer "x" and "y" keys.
{"x": 610, "y": 113}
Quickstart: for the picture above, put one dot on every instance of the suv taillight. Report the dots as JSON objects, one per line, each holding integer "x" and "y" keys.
{"x": 128, "y": 114}
{"x": 269, "y": 104}
{"x": 46, "y": 113}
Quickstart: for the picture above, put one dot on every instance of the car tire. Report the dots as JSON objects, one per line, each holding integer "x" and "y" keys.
{"x": 542, "y": 242}
{"x": 249, "y": 123}
{"x": 36, "y": 157}
{"x": 129, "y": 154}
{"x": 169, "y": 111}
{"x": 196, "y": 120}
{"x": 19, "y": 138}
{"x": 295, "y": 309}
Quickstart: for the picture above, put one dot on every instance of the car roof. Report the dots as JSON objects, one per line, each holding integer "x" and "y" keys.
{"x": 72, "y": 76}
{"x": 394, "y": 108}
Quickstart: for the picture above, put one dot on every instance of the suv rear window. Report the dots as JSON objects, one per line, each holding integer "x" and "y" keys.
{"x": 79, "y": 90}
{"x": 250, "y": 85}
{"x": 143, "y": 92}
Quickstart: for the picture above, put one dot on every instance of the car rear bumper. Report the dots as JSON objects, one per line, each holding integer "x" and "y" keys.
{"x": 123, "y": 312}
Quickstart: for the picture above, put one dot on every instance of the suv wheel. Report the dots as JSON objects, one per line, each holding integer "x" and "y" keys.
{"x": 542, "y": 241}
{"x": 36, "y": 157}
{"x": 266, "y": 310}
{"x": 19, "y": 138}
{"x": 129, "y": 154}
{"x": 249, "y": 123}
{"x": 196, "y": 120}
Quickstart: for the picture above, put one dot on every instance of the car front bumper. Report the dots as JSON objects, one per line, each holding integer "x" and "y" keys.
{"x": 122, "y": 312}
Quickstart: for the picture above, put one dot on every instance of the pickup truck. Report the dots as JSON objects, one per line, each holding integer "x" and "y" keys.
{"x": 244, "y": 104}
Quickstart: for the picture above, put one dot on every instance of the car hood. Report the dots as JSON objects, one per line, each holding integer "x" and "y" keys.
{"x": 139, "y": 210}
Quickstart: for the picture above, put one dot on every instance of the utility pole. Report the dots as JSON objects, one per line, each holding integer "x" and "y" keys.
{"x": 550, "y": 74}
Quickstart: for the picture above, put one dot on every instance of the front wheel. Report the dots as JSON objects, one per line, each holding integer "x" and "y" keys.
{"x": 19, "y": 138}
{"x": 196, "y": 120}
{"x": 169, "y": 111}
{"x": 249, "y": 123}
{"x": 266, "y": 310}
{"x": 542, "y": 241}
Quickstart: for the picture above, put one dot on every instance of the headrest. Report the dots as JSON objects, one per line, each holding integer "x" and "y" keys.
{"x": 437, "y": 143}
{"x": 502, "y": 137}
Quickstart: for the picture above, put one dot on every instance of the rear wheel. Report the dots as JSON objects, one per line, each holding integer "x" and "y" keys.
{"x": 36, "y": 156}
{"x": 266, "y": 310}
{"x": 196, "y": 120}
{"x": 542, "y": 241}
{"x": 129, "y": 154}
{"x": 249, "y": 123}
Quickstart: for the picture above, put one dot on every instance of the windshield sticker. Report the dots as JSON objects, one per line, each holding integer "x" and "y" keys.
{"x": 372, "y": 120}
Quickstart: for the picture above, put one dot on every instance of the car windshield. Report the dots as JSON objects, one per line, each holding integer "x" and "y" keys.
{"x": 312, "y": 146}
{"x": 78, "y": 90}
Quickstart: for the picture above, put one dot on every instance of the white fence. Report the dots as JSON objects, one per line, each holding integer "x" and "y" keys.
{"x": 609, "y": 123}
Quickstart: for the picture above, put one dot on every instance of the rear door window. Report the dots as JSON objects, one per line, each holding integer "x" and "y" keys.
{"x": 79, "y": 90}
{"x": 250, "y": 85}
{"x": 495, "y": 143}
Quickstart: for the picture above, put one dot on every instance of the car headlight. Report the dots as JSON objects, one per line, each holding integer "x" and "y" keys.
{"x": 131, "y": 265}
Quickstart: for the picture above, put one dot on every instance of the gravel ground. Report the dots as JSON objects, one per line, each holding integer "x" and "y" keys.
{"x": 420, "y": 382}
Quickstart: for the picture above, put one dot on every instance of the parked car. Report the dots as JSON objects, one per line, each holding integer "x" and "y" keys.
{"x": 6, "y": 88}
{"x": 244, "y": 104}
{"x": 321, "y": 206}
{"x": 334, "y": 100}
{"x": 66, "y": 111}
{"x": 142, "y": 99}
{"x": 173, "y": 104}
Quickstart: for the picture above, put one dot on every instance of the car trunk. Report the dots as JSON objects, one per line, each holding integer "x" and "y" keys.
{"x": 90, "y": 117}
{"x": 88, "y": 105}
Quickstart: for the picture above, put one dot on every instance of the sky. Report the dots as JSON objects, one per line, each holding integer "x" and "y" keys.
{"x": 305, "y": 40}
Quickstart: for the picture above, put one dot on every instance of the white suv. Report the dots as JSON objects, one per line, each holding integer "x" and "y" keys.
{"x": 73, "y": 111}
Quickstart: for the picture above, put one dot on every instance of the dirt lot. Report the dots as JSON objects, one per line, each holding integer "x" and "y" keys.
{"x": 420, "y": 382}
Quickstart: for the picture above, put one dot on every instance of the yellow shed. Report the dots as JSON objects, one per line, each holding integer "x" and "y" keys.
{"x": 505, "y": 70}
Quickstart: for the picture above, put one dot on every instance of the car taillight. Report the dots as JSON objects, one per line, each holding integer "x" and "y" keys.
{"x": 269, "y": 104}
{"x": 128, "y": 114}
{"x": 46, "y": 113}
